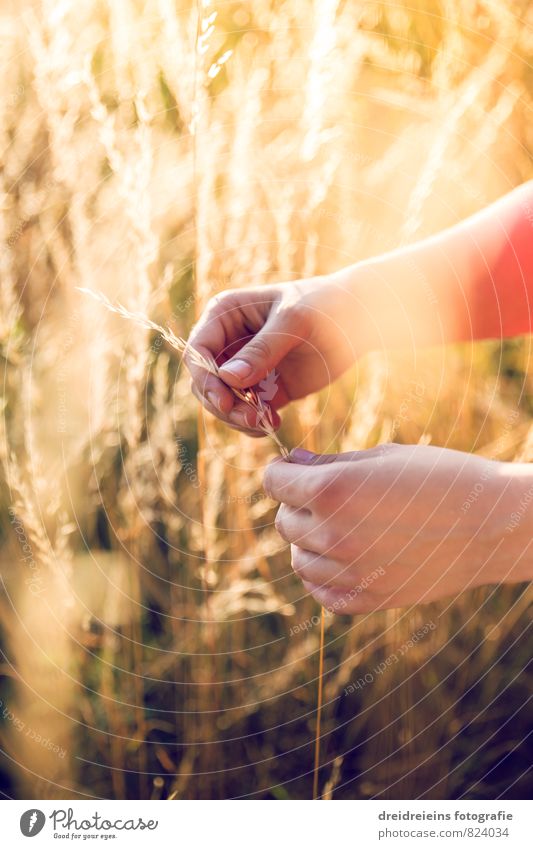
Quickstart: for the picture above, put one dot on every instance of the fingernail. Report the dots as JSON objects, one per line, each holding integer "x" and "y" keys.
{"x": 237, "y": 368}
{"x": 301, "y": 455}
{"x": 214, "y": 400}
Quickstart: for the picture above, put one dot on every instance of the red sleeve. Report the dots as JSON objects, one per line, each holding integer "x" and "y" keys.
{"x": 499, "y": 287}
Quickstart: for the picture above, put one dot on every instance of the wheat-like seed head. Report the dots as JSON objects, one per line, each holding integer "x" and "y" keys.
{"x": 248, "y": 396}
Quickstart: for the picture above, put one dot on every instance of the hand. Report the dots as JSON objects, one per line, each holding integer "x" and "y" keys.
{"x": 398, "y": 525}
{"x": 300, "y": 330}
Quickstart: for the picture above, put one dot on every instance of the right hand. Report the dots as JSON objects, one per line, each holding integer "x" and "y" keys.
{"x": 298, "y": 329}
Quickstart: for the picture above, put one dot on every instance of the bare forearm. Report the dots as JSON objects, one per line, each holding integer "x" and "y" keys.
{"x": 472, "y": 281}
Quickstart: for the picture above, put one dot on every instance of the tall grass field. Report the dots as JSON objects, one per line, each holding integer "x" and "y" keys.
{"x": 154, "y": 641}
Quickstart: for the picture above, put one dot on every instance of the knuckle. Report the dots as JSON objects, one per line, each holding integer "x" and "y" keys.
{"x": 297, "y": 559}
{"x": 323, "y": 493}
{"x": 299, "y": 317}
{"x": 259, "y": 347}
{"x": 380, "y": 453}
{"x": 378, "y": 591}
{"x": 219, "y": 304}
{"x": 269, "y": 480}
{"x": 329, "y": 540}
{"x": 363, "y": 603}
{"x": 335, "y": 607}
{"x": 280, "y": 522}
{"x": 341, "y": 549}
{"x": 220, "y": 299}
{"x": 196, "y": 392}
{"x": 192, "y": 335}
{"x": 313, "y": 491}
{"x": 336, "y": 544}
{"x": 337, "y": 495}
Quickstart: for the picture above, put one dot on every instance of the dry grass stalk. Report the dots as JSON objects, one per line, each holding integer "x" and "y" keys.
{"x": 248, "y": 396}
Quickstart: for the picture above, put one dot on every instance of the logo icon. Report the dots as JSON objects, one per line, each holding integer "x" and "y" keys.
{"x": 32, "y": 822}
{"x": 268, "y": 388}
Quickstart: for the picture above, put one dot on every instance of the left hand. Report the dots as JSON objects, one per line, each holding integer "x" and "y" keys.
{"x": 399, "y": 524}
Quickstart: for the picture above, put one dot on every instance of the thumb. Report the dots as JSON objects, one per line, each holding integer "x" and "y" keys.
{"x": 309, "y": 458}
{"x": 261, "y": 354}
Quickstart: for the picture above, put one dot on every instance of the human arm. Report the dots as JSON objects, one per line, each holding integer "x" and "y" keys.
{"x": 469, "y": 282}
{"x": 472, "y": 281}
{"x": 402, "y": 524}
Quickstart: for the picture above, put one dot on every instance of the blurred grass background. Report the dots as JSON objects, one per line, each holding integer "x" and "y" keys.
{"x": 155, "y": 643}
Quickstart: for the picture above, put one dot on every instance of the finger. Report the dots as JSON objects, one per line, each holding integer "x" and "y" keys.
{"x": 302, "y": 530}
{"x": 303, "y": 456}
{"x": 290, "y": 483}
{"x": 242, "y": 416}
{"x": 209, "y": 331}
{"x": 300, "y": 527}
{"x": 319, "y": 569}
{"x": 341, "y": 601}
{"x": 209, "y": 385}
{"x": 328, "y": 597}
{"x": 265, "y": 350}
{"x": 293, "y": 524}
{"x": 307, "y": 485}
{"x": 208, "y": 337}
{"x": 238, "y": 418}
{"x": 309, "y": 458}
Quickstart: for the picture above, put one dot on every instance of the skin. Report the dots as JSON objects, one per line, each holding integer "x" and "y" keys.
{"x": 298, "y": 329}
{"x": 396, "y": 508}
{"x": 415, "y": 514}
